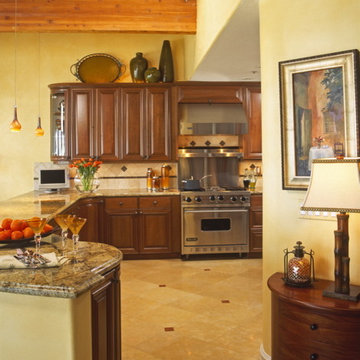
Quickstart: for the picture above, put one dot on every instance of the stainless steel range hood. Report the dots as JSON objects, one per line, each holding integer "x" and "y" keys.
{"x": 209, "y": 152}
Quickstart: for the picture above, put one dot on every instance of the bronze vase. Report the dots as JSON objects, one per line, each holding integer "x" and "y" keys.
{"x": 166, "y": 65}
{"x": 138, "y": 65}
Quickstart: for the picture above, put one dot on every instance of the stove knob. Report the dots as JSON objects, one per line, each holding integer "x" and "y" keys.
{"x": 212, "y": 198}
{"x": 187, "y": 199}
{"x": 233, "y": 198}
{"x": 243, "y": 198}
{"x": 220, "y": 197}
{"x": 197, "y": 198}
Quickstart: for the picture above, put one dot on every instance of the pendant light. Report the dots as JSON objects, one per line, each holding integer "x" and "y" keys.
{"x": 15, "y": 125}
{"x": 39, "y": 131}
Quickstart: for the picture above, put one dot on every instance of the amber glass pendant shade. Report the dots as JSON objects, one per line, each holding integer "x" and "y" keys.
{"x": 15, "y": 125}
{"x": 39, "y": 130}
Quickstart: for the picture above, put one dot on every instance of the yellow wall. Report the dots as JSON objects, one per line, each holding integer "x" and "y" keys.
{"x": 212, "y": 17}
{"x": 290, "y": 30}
{"x": 18, "y": 151}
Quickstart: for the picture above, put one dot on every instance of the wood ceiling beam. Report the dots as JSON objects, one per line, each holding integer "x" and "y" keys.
{"x": 127, "y": 16}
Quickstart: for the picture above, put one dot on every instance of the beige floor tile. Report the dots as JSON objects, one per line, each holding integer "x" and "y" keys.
{"x": 190, "y": 301}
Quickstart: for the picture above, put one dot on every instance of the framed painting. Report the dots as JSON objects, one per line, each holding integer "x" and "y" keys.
{"x": 319, "y": 112}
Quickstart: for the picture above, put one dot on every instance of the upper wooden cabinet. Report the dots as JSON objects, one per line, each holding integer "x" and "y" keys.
{"x": 252, "y": 140}
{"x": 114, "y": 122}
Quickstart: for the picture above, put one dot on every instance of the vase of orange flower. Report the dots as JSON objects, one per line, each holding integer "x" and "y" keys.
{"x": 86, "y": 179}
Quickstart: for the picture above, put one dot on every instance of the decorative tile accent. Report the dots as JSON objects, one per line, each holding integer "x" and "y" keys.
{"x": 124, "y": 168}
{"x": 169, "y": 328}
{"x": 225, "y": 301}
{"x": 162, "y": 285}
{"x": 207, "y": 269}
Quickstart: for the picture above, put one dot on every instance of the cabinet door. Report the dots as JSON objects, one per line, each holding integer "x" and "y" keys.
{"x": 121, "y": 224}
{"x": 107, "y": 124}
{"x": 155, "y": 225}
{"x": 82, "y": 132}
{"x": 132, "y": 125}
{"x": 91, "y": 209}
{"x": 59, "y": 124}
{"x": 255, "y": 222}
{"x": 158, "y": 141}
{"x": 105, "y": 309}
{"x": 252, "y": 140}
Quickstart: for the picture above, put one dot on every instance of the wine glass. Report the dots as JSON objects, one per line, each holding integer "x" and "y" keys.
{"x": 37, "y": 225}
{"x": 61, "y": 220}
{"x": 75, "y": 224}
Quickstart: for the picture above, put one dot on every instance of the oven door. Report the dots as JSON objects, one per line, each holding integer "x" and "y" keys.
{"x": 215, "y": 226}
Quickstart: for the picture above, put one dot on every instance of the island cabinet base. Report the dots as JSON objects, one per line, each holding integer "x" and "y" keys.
{"x": 307, "y": 325}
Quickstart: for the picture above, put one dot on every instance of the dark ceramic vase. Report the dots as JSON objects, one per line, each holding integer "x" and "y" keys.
{"x": 152, "y": 75}
{"x": 166, "y": 65}
{"x": 138, "y": 65}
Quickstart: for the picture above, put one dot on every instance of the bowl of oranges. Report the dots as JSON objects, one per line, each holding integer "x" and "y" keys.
{"x": 18, "y": 231}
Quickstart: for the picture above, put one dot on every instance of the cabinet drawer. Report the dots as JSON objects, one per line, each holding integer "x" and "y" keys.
{"x": 120, "y": 203}
{"x": 256, "y": 200}
{"x": 152, "y": 202}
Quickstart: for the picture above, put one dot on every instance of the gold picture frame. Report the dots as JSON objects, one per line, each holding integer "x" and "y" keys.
{"x": 319, "y": 112}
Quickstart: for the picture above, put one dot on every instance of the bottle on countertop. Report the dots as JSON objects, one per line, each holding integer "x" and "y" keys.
{"x": 149, "y": 176}
{"x": 165, "y": 170}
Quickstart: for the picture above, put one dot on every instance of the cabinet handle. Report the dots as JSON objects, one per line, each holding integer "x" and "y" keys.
{"x": 139, "y": 212}
{"x": 155, "y": 202}
{"x": 314, "y": 356}
{"x": 313, "y": 326}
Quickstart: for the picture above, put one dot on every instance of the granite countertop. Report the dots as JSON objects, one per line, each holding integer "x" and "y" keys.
{"x": 66, "y": 281}
{"x": 35, "y": 203}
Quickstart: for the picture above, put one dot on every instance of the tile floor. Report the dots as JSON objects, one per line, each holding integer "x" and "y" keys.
{"x": 196, "y": 309}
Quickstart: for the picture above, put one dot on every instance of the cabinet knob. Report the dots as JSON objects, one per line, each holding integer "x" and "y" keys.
{"x": 139, "y": 212}
{"x": 155, "y": 202}
{"x": 314, "y": 356}
{"x": 313, "y": 326}
{"x": 121, "y": 203}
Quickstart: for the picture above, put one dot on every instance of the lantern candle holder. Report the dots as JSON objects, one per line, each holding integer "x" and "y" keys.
{"x": 299, "y": 270}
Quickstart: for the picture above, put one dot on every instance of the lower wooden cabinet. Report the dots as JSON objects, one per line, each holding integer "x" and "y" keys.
{"x": 255, "y": 225}
{"x": 90, "y": 208}
{"x": 143, "y": 227}
{"x": 307, "y": 325}
{"x": 105, "y": 308}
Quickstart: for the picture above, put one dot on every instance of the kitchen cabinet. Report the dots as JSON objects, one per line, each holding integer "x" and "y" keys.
{"x": 252, "y": 140}
{"x": 143, "y": 227}
{"x": 105, "y": 309}
{"x": 59, "y": 124}
{"x": 255, "y": 225}
{"x": 146, "y": 124}
{"x": 307, "y": 325}
{"x": 92, "y": 209}
{"x": 115, "y": 122}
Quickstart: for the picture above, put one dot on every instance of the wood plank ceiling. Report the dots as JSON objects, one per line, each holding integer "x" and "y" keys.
{"x": 130, "y": 16}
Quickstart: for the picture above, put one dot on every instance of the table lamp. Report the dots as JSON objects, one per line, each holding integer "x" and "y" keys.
{"x": 335, "y": 187}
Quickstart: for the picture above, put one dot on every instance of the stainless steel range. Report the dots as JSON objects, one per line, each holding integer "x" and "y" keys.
{"x": 215, "y": 221}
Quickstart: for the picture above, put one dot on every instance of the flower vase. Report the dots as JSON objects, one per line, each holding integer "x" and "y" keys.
{"x": 166, "y": 65}
{"x": 138, "y": 65}
{"x": 86, "y": 183}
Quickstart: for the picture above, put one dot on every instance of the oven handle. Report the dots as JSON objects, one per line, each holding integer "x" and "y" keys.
{"x": 216, "y": 210}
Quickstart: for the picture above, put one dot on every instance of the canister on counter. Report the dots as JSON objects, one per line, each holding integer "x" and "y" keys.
{"x": 149, "y": 176}
{"x": 165, "y": 170}
{"x": 155, "y": 183}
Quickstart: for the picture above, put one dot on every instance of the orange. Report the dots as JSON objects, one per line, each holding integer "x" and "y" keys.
{"x": 5, "y": 224}
{"x": 24, "y": 224}
{"x": 16, "y": 225}
{"x": 28, "y": 233}
{"x": 5, "y": 235}
{"x": 16, "y": 235}
{"x": 47, "y": 228}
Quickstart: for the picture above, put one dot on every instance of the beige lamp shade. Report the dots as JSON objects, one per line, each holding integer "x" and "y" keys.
{"x": 334, "y": 186}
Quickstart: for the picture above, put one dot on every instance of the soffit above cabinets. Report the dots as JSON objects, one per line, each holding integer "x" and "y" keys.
{"x": 128, "y": 16}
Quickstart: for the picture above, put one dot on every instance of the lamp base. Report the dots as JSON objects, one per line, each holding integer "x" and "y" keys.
{"x": 354, "y": 294}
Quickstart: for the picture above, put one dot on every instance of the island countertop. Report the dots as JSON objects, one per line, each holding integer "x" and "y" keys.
{"x": 35, "y": 203}
{"x": 66, "y": 281}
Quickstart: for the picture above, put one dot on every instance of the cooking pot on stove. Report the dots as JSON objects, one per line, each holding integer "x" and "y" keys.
{"x": 192, "y": 184}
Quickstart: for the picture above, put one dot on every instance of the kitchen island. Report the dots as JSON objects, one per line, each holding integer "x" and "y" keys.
{"x": 67, "y": 312}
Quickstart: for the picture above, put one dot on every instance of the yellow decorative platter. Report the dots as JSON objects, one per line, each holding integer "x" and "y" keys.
{"x": 97, "y": 68}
